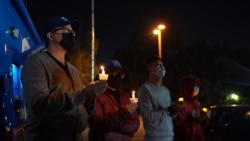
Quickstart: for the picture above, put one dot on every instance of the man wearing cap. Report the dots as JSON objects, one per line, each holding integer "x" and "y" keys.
{"x": 53, "y": 94}
{"x": 114, "y": 117}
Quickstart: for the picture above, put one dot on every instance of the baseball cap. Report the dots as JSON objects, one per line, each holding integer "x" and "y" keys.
{"x": 112, "y": 65}
{"x": 59, "y": 22}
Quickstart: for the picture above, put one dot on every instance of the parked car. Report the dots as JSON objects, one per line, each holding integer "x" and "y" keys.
{"x": 229, "y": 123}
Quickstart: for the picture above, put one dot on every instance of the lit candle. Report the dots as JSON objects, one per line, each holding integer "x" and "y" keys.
{"x": 133, "y": 99}
{"x": 204, "y": 109}
{"x": 181, "y": 99}
{"x": 102, "y": 75}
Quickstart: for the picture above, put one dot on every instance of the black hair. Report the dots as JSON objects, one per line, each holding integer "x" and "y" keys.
{"x": 151, "y": 59}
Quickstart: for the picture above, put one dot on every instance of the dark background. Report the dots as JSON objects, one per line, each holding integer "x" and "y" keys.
{"x": 116, "y": 21}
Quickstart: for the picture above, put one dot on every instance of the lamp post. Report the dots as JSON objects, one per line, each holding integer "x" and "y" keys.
{"x": 158, "y": 32}
{"x": 92, "y": 43}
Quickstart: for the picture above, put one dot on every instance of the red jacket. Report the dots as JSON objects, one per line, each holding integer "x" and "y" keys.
{"x": 189, "y": 123}
{"x": 110, "y": 116}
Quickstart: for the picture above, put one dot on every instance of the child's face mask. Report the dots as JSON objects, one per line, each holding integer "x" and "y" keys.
{"x": 196, "y": 90}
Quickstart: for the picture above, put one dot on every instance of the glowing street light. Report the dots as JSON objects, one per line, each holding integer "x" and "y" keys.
{"x": 158, "y": 32}
{"x": 92, "y": 42}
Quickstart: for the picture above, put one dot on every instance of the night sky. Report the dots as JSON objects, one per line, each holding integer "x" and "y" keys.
{"x": 116, "y": 20}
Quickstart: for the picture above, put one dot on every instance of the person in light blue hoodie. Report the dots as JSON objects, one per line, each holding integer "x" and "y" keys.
{"x": 155, "y": 103}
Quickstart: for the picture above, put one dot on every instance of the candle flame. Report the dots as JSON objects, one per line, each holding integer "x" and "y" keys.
{"x": 133, "y": 94}
{"x": 181, "y": 99}
{"x": 103, "y": 71}
{"x": 204, "y": 109}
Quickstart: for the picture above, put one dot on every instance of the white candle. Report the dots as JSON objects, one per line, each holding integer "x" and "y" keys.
{"x": 133, "y": 99}
{"x": 102, "y": 75}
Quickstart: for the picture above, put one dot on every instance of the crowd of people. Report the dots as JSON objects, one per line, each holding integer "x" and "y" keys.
{"x": 59, "y": 107}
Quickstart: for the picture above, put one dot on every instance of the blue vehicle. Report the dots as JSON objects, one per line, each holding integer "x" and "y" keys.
{"x": 18, "y": 39}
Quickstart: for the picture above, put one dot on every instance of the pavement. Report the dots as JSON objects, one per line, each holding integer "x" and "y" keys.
{"x": 137, "y": 137}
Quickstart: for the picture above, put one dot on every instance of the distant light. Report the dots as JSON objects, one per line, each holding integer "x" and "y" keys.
{"x": 161, "y": 26}
{"x": 234, "y": 96}
{"x": 156, "y": 31}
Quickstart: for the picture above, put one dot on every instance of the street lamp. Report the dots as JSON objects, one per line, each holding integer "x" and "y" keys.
{"x": 92, "y": 43}
{"x": 158, "y": 32}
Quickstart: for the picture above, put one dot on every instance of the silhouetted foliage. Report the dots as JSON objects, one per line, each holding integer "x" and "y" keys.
{"x": 80, "y": 56}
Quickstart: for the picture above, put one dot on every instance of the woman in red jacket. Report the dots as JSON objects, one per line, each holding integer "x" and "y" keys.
{"x": 189, "y": 123}
{"x": 114, "y": 117}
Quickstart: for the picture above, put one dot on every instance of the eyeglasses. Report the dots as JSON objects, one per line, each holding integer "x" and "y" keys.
{"x": 65, "y": 30}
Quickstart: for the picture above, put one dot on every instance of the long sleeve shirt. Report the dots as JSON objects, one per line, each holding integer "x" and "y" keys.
{"x": 50, "y": 91}
{"x": 157, "y": 120}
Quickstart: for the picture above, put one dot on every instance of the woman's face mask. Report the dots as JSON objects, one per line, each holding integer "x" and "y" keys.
{"x": 115, "y": 79}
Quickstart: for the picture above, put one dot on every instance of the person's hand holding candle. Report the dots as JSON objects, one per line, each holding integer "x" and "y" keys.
{"x": 178, "y": 105}
{"x": 207, "y": 112}
{"x": 181, "y": 102}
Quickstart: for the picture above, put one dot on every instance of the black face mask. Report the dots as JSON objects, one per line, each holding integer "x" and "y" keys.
{"x": 68, "y": 41}
{"x": 114, "y": 81}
